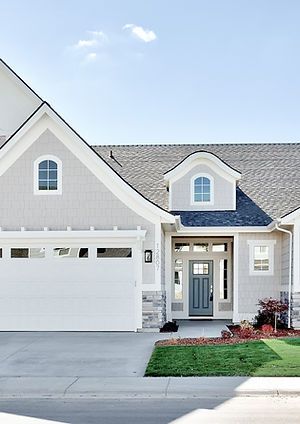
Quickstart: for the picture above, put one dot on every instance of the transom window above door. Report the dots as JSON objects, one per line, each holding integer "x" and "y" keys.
{"x": 198, "y": 247}
{"x": 47, "y": 175}
{"x": 202, "y": 189}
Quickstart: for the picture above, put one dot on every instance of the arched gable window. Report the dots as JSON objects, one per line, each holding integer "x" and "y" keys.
{"x": 202, "y": 189}
{"x": 47, "y": 174}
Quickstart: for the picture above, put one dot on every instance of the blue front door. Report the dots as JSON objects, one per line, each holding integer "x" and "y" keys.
{"x": 201, "y": 288}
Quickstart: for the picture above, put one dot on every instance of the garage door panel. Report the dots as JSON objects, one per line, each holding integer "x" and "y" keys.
{"x": 67, "y": 294}
{"x": 99, "y": 305}
{"x": 36, "y": 270}
{"x": 67, "y": 323}
{"x": 66, "y": 289}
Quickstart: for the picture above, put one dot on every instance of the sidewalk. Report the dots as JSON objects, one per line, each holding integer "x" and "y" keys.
{"x": 139, "y": 387}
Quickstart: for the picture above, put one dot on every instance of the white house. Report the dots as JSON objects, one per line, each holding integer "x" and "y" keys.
{"x": 126, "y": 237}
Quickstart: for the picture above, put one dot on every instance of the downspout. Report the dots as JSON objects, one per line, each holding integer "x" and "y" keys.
{"x": 290, "y": 268}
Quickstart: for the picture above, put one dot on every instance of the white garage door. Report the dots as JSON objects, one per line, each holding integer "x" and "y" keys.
{"x": 57, "y": 288}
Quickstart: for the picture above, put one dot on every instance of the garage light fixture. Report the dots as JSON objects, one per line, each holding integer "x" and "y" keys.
{"x": 148, "y": 256}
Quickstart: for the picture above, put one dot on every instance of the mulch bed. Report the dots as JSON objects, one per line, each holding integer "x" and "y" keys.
{"x": 235, "y": 330}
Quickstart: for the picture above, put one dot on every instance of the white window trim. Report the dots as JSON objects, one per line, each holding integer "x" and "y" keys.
{"x": 36, "y": 190}
{"x": 256, "y": 243}
{"x": 211, "y": 179}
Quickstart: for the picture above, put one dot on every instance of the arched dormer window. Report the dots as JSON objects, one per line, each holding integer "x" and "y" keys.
{"x": 47, "y": 175}
{"x": 202, "y": 186}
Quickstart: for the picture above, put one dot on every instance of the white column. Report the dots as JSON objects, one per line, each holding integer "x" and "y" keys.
{"x": 296, "y": 257}
{"x": 157, "y": 256}
{"x": 138, "y": 272}
{"x": 168, "y": 274}
{"x": 235, "y": 282}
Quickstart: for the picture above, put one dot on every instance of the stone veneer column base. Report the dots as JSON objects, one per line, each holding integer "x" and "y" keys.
{"x": 296, "y": 310}
{"x": 154, "y": 309}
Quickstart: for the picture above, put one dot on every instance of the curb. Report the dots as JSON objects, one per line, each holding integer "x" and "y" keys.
{"x": 146, "y": 388}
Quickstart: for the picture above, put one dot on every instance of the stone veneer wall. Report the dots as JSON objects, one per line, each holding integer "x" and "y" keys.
{"x": 296, "y": 310}
{"x": 284, "y": 297}
{"x": 154, "y": 309}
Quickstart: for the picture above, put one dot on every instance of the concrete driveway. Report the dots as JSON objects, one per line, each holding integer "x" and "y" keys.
{"x": 87, "y": 354}
{"x": 75, "y": 353}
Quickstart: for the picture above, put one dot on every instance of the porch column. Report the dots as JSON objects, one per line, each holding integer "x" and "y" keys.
{"x": 296, "y": 257}
{"x": 168, "y": 275}
{"x": 235, "y": 283}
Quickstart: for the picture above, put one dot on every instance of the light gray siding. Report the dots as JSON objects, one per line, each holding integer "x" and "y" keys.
{"x": 181, "y": 192}
{"x": 251, "y": 288}
{"x": 84, "y": 202}
{"x": 285, "y": 248}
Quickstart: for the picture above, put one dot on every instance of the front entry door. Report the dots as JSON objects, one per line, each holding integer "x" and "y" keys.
{"x": 201, "y": 288}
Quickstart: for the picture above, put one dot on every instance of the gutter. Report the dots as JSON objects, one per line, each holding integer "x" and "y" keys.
{"x": 277, "y": 223}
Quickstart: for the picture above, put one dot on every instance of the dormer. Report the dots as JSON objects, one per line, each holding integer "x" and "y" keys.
{"x": 203, "y": 182}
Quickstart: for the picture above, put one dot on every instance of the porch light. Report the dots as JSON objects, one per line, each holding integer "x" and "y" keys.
{"x": 148, "y": 256}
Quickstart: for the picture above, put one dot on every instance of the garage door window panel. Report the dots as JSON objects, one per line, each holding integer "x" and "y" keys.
{"x": 70, "y": 252}
{"x": 26, "y": 252}
{"x": 114, "y": 252}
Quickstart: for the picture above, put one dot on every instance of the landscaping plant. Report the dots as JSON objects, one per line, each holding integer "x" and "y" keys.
{"x": 246, "y": 329}
{"x": 269, "y": 312}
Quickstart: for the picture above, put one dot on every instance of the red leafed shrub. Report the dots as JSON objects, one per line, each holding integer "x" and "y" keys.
{"x": 267, "y": 328}
{"x": 269, "y": 312}
{"x": 225, "y": 334}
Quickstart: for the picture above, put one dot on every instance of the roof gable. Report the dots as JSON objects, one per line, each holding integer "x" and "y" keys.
{"x": 46, "y": 118}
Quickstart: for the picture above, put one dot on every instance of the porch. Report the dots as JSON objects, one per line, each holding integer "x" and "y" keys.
{"x": 201, "y": 278}
{"x": 200, "y": 328}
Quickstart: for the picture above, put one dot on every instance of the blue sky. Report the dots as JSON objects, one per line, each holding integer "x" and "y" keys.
{"x": 179, "y": 72}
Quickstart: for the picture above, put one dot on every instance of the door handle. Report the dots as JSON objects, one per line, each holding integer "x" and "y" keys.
{"x": 211, "y": 297}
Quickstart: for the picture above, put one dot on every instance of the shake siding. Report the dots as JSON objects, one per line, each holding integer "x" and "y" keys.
{"x": 84, "y": 202}
{"x": 255, "y": 287}
{"x": 181, "y": 191}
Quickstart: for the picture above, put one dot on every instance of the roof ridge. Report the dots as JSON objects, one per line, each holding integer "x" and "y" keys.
{"x": 295, "y": 143}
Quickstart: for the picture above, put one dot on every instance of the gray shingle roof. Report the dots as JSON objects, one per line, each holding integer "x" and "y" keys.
{"x": 247, "y": 213}
{"x": 270, "y": 176}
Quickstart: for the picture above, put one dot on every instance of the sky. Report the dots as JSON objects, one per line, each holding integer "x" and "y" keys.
{"x": 161, "y": 71}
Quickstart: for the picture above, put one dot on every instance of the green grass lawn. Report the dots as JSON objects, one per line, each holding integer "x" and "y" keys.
{"x": 264, "y": 358}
